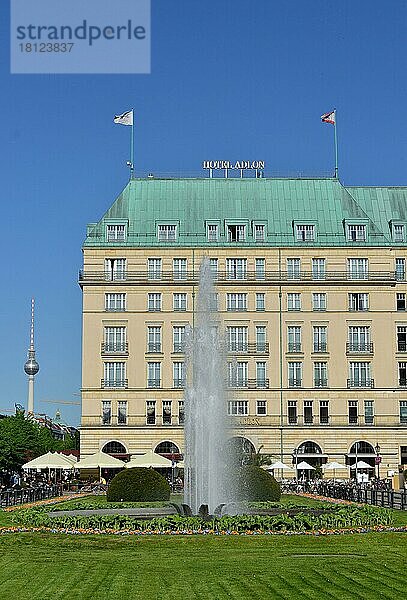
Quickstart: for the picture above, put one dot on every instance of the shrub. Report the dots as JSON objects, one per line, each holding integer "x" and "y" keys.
{"x": 138, "y": 485}
{"x": 257, "y": 485}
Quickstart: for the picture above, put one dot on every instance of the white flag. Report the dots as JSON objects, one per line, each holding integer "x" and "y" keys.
{"x": 124, "y": 119}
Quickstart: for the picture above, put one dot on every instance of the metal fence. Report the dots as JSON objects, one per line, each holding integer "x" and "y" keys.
{"x": 365, "y": 495}
{"x": 28, "y": 495}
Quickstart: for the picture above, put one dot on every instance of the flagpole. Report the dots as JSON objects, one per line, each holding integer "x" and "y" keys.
{"x": 132, "y": 146}
{"x": 336, "y": 147}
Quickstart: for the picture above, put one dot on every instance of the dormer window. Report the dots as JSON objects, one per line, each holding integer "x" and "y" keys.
{"x": 259, "y": 233}
{"x": 356, "y": 233}
{"x": 116, "y": 233}
{"x": 398, "y": 232}
{"x": 236, "y": 233}
{"x": 212, "y": 232}
{"x": 305, "y": 233}
{"x": 167, "y": 233}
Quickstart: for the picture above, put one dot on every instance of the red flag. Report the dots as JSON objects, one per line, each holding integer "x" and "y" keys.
{"x": 329, "y": 118}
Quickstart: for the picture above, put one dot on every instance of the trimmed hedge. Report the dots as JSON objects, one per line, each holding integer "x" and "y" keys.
{"x": 257, "y": 485}
{"x": 138, "y": 485}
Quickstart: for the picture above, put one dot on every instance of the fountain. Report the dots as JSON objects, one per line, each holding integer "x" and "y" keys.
{"x": 208, "y": 476}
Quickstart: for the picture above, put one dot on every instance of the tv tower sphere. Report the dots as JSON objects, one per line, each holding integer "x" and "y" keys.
{"x": 31, "y": 367}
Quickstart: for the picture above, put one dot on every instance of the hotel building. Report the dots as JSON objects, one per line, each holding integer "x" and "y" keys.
{"x": 310, "y": 290}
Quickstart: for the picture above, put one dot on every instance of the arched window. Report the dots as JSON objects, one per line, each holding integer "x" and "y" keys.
{"x": 309, "y": 447}
{"x": 114, "y": 448}
{"x": 241, "y": 450}
{"x": 167, "y": 447}
{"x": 362, "y": 447}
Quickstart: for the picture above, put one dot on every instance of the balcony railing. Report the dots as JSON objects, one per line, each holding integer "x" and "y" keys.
{"x": 224, "y": 276}
{"x": 319, "y": 347}
{"x": 179, "y": 347}
{"x": 401, "y": 346}
{"x": 294, "y": 346}
{"x": 294, "y": 383}
{"x": 251, "y": 384}
{"x": 361, "y": 348}
{"x": 360, "y": 383}
{"x": 154, "y": 347}
{"x": 154, "y": 383}
{"x": 402, "y": 382}
{"x": 114, "y": 383}
{"x": 115, "y": 348}
{"x": 179, "y": 383}
{"x": 321, "y": 382}
{"x": 248, "y": 348}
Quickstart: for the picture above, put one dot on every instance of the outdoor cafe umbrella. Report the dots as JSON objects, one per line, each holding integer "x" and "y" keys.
{"x": 304, "y": 466}
{"x": 50, "y": 460}
{"x": 149, "y": 459}
{"x": 361, "y": 464}
{"x": 99, "y": 460}
{"x": 279, "y": 465}
{"x": 334, "y": 466}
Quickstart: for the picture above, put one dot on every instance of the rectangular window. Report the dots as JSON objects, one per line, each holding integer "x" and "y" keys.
{"x": 151, "y": 412}
{"x": 292, "y": 412}
{"x": 403, "y": 412}
{"x": 237, "y": 339}
{"x": 122, "y": 412}
{"x": 154, "y": 302}
{"x": 153, "y": 374}
{"x": 356, "y": 233}
{"x": 358, "y": 268}
{"x": 293, "y": 301}
{"x": 398, "y": 233}
{"x": 236, "y": 268}
{"x": 236, "y": 302}
{"x": 294, "y": 338}
{"x": 352, "y": 412}
{"x": 260, "y": 301}
{"x": 305, "y": 233}
{"x": 260, "y": 268}
{"x": 214, "y": 302}
{"x": 359, "y": 339}
{"x": 401, "y": 302}
{"x": 293, "y": 268}
{"x": 116, "y": 233}
{"x": 167, "y": 410}
{"x": 181, "y": 412}
{"x": 402, "y": 368}
{"x": 179, "y": 268}
{"x": 358, "y": 302}
{"x": 115, "y": 302}
{"x": 106, "y": 412}
{"x": 320, "y": 374}
{"x": 178, "y": 337}
{"x": 114, "y": 374}
{"x": 115, "y": 339}
{"x": 259, "y": 233}
{"x": 369, "y": 412}
{"x": 319, "y": 301}
{"x": 319, "y": 334}
{"x": 213, "y": 263}
{"x": 115, "y": 269}
{"x": 236, "y": 233}
{"x": 212, "y": 232}
{"x": 260, "y": 338}
{"x": 238, "y": 374}
{"x": 400, "y": 269}
{"x": 261, "y": 407}
{"x": 154, "y": 266}
{"x": 323, "y": 412}
{"x": 180, "y": 302}
{"x": 294, "y": 374}
{"x": 401, "y": 338}
{"x": 178, "y": 371}
{"x": 167, "y": 233}
{"x": 154, "y": 339}
{"x": 261, "y": 380}
{"x": 308, "y": 412}
{"x": 238, "y": 408}
{"x": 359, "y": 375}
{"x": 318, "y": 268}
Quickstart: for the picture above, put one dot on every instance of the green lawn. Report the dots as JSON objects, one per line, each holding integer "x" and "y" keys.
{"x": 51, "y": 567}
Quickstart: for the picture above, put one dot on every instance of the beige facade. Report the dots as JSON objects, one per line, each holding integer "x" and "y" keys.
{"x": 321, "y": 357}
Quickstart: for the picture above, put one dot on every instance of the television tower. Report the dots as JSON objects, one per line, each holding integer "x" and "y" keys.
{"x": 31, "y": 367}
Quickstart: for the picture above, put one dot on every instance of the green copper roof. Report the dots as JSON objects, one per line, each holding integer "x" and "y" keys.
{"x": 277, "y": 203}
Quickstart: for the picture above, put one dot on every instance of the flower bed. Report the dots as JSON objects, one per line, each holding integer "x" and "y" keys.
{"x": 55, "y": 500}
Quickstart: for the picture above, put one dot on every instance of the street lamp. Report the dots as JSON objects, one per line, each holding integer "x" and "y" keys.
{"x": 295, "y": 452}
{"x": 378, "y": 459}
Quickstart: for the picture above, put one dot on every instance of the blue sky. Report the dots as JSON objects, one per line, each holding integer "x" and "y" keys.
{"x": 229, "y": 80}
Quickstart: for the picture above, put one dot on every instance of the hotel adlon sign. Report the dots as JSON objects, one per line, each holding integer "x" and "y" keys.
{"x": 239, "y": 164}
